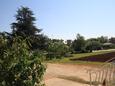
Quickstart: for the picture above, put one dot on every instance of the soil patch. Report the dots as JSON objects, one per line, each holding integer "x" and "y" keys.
{"x": 97, "y": 58}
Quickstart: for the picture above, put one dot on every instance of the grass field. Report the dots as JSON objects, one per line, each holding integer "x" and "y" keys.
{"x": 93, "y": 53}
{"x": 82, "y": 55}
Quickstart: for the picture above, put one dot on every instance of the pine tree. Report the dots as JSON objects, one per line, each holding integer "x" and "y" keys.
{"x": 24, "y": 27}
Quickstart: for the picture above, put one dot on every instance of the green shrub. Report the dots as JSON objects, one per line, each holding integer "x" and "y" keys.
{"x": 19, "y": 67}
{"x": 56, "y": 50}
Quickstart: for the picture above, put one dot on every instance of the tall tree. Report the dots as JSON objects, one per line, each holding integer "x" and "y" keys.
{"x": 18, "y": 65}
{"x": 24, "y": 27}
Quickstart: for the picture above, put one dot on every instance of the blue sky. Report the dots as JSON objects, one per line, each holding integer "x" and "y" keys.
{"x": 65, "y": 18}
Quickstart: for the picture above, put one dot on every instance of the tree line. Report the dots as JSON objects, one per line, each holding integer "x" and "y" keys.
{"x": 80, "y": 45}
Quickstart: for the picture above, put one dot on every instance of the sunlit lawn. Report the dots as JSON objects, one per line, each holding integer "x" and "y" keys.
{"x": 93, "y": 53}
{"x": 82, "y": 55}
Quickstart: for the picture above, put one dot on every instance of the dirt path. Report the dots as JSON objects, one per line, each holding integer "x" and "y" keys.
{"x": 62, "y": 82}
{"x": 66, "y": 75}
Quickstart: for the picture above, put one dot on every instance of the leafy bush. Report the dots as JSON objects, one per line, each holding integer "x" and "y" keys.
{"x": 19, "y": 67}
{"x": 56, "y": 50}
{"x": 93, "y": 45}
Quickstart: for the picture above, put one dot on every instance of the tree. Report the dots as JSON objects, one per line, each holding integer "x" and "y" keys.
{"x": 79, "y": 43}
{"x": 93, "y": 45}
{"x": 102, "y": 39}
{"x": 56, "y": 49}
{"x": 24, "y": 27}
{"x": 19, "y": 65}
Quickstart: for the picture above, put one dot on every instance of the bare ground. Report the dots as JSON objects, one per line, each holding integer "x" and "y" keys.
{"x": 98, "y": 58}
{"x": 66, "y": 75}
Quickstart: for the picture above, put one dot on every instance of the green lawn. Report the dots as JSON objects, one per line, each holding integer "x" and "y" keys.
{"x": 91, "y": 54}
{"x": 67, "y": 59}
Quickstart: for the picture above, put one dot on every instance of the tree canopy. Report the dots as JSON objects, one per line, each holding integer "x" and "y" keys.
{"x": 24, "y": 27}
{"x": 78, "y": 43}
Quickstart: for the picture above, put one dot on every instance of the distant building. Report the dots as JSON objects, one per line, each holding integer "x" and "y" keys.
{"x": 107, "y": 45}
{"x": 112, "y": 40}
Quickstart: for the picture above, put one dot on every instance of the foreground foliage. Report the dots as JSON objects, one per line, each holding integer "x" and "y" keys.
{"x": 19, "y": 66}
